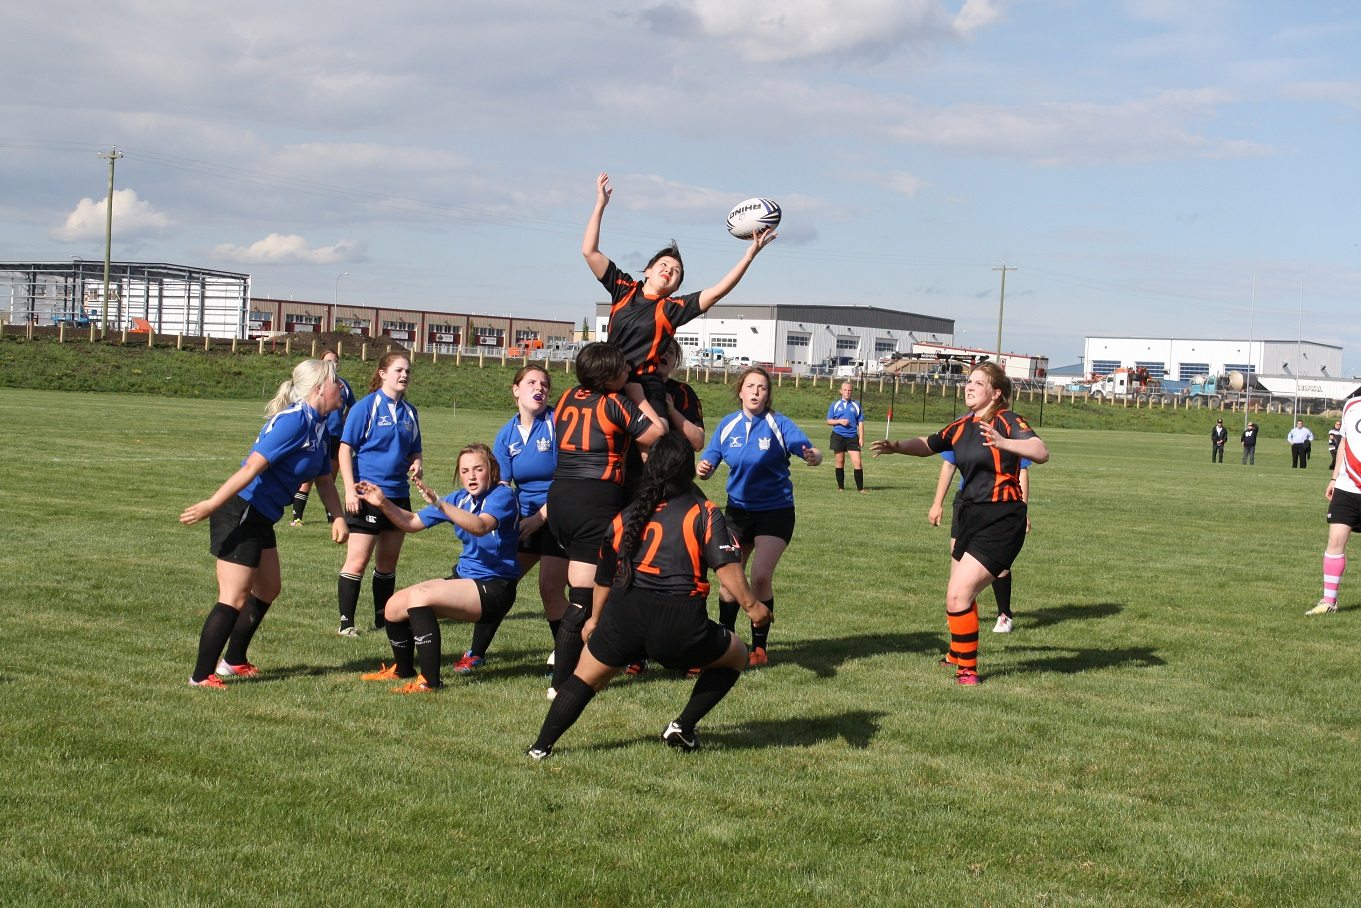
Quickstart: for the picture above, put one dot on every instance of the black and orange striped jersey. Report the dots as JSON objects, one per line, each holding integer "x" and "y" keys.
{"x": 594, "y": 431}
{"x": 989, "y": 474}
{"x": 686, "y": 402}
{"x": 686, "y": 536}
{"x": 640, "y": 326}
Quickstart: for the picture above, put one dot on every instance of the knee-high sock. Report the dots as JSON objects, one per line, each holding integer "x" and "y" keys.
{"x": 840, "y": 477}
{"x": 216, "y": 629}
{"x": 403, "y": 655}
{"x": 573, "y": 695}
{"x": 347, "y": 594}
{"x": 712, "y": 686}
{"x": 483, "y": 633}
{"x": 299, "y": 504}
{"x": 964, "y": 637}
{"x": 1333, "y": 568}
{"x": 569, "y": 644}
{"x": 247, "y": 623}
{"x": 1001, "y": 588}
{"x": 727, "y": 613}
{"x": 860, "y": 480}
{"x": 425, "y": 637}
{"x": 760, "y": 634}
{"x": 384, "y": 585}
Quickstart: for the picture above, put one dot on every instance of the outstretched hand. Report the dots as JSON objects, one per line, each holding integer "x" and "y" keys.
{"x": 370, "y": 493}
{"x": 603, "y": 189}
{"x": 429, "y": 494}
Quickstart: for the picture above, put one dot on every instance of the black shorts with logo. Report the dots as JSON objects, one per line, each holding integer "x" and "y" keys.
{"x": 992, "y": 532}
{"x": 1345, "y": 508}
{"x": 579, "y": 514}
{"x": 747, "y": 525}
{"x": 371, "y": 521}
{"x": 496, "y": 594}
{"x": 238, "y": 533}
{"x": 841, "y": 444}
{"x": 675, "y": 631}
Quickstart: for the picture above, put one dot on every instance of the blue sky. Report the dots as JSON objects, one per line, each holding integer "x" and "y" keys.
{"x": 1150, "y": 167}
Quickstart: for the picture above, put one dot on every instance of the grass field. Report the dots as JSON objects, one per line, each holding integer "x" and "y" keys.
{"x": 1164, "y": 727}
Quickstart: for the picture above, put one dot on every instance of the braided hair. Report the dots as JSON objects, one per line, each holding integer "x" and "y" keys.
{"x": 670, "y": 470}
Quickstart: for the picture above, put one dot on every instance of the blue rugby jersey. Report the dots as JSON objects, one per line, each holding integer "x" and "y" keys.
{"x": 489, "y": 557}
{"x": 757, "y": 450}
{"x": 846, "y": 409}
{"x": 527, "y": 463}
{"x": 384, "y": 434}
{"x": 295, "y": 443}
{"x": 335, "y": 420}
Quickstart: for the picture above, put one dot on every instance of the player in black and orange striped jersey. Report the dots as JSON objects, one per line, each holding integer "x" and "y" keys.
{"x": 594, "y": 426}
{"x": 989, "y": 443}
{"x": 683, "y": 405}
{"x": 644, "y": 315}
{"x": 650, "y": 592}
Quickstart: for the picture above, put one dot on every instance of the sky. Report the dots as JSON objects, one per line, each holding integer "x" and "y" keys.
{"x": 1148, "y": 167}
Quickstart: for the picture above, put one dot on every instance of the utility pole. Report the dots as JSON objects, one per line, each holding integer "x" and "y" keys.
{"x": 1001, "y": 304}
{"x": 113, "y": 155}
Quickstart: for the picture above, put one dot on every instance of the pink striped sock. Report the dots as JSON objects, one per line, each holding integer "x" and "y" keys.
{"x": 1333, "y": 567}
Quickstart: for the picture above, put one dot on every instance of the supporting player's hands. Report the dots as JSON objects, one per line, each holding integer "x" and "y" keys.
{"x": 531, "y": 525}
{"x": 812, "y": 456}
{"x": 195, "y": 512}
{"x": 758, "y": 612}
{"x": 704, "y": 469}
{"x": 933, "y": 516}
{"x": 370, "y": 493}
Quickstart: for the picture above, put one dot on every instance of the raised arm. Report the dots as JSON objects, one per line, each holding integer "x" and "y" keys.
{"x": 759, "y": 241}
{"x": 596, "y": 260}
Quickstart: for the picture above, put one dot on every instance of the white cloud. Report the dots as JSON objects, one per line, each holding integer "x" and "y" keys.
{"x": 283, "y": 249}
{"x": 904, "y": 183}
{"x": 132, "y": 217}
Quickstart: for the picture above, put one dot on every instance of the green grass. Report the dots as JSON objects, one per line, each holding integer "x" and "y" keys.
{"x": 1164, "y": 727}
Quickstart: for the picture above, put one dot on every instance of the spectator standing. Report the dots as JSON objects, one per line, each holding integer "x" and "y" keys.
{"x": 1219, "y": 436}
{"x": 1301, "y": 440}
{"x": 1249, "y": 440}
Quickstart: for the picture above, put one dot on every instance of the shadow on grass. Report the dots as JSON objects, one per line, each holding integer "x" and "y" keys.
{"x": 1074, "y": 661}
{"x": 1071, "y": 612}
{"x": 856, "y": 728}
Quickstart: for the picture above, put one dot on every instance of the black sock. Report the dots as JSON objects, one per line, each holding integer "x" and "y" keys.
{"x": 1001, "y": 588}
{"x": 403, "y": 656}
{"x": 299, "y": 504}
{"x": 347, "y": 593}
{"x": 713, "y": 685}
{"x": 553, "y": 628}
{"x": 568, "y": 644}
{"x": 860, "y": 480}
{"x": 216, "y": 629}
{"x": 841, "y": 477}
{"x": 483, "y": 632}
{"x": 759, "y": 634}
{"x": 247, "y": 623}
{"x": 384, "y": 585}
{"x": 425, "y": 636}
{"x": 727, "y": 613}
{"x": 573, "y": 695}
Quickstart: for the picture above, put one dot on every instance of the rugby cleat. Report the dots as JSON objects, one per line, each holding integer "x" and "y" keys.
{"x": 244, "y": 670}
{"x": 679, "y": 738}
{"x": 1003, "y": 625}
{"x": 635, "y": 669}
{"x": 757, "y": 658}
{"x": 350, "y": 631}
{"x": 212, "y": 681}
{"x": 416, "y": 686}
{"x": 967, "y": 677}
{"x": 1324, "y": 607}
{"x": 467, "y": 663}
{"x": 539, "y": 753}
{"x": 384, "y": 673}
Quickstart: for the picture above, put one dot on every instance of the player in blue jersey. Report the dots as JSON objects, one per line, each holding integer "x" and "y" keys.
{"x": 847, "y": 419}
{"x": 989, "y": 443}
{"x": 527, "y": 454}
{"x": 1001, "y": 587}
{"x": 335, "y": 423}
{"x": 381, "y": 445}
{"x": 291, "y": 447}
{"x": 485, "y": 517}
{"x": 756, "y": 443}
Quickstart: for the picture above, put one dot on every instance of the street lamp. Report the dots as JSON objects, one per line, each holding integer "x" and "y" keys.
{"x": 1001, "y": 303}
{"x": 336, "y": 299}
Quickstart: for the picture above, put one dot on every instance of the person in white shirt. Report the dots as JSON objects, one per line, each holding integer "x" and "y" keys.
{"x": 1300, "y": 439}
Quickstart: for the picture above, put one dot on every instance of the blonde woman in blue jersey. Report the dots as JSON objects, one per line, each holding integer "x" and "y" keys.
{"x": 291, "y": 447}
{"x": 756, "y": 443}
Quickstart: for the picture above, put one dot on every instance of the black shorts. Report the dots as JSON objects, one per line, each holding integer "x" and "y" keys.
{"x": 543, "y": 543}
{"x": 954, "y": 517}
{"x": 579, "y": 514}
{"x": 676, "y": 632}
{"x": 496, "y": 595}
{"x": 992, "y": 532}
{"x": 371, "y": 521}
{"x": 1345, "y": 508}
{"x": 238, "y": 533}
{"x": 841, "y": 444}
{"x": 747, "y": 525}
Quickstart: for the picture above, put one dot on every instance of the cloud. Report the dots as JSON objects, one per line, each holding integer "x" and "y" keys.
{"x": 287, "y": 249}
{"x": 132, "y": 218}
{"x": 1345, "y": 94}
{"x": 801, "y": 29}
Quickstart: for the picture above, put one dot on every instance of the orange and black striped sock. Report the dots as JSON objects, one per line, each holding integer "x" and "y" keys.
{"x": 964, "y": 637}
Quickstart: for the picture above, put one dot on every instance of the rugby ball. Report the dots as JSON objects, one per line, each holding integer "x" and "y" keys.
{"x": 752, "y": 215}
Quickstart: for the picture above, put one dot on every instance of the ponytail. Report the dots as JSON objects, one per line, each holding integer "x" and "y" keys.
{"x": 670, "y": 469}
{"x": 307, "y": 375}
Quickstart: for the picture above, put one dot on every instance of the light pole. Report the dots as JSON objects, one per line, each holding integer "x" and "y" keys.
{"x": 1001, "y": 304}
{"x": 113, "y": 155}
{"x": 336, "y": 300}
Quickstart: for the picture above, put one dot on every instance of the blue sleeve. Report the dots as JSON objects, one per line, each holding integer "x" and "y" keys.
{"x": 711, "y": 452}
{"x": 500, "y": 449}
{"x": 416, "y": 436}
{"x": 947, "y": 456}
{"x": 795, "y": 441}
{"x": 431, "y": 513}
{"x": 502, "y": 504}
{"x": 282, "y": 434}
{"x": 354, "y": 423}
{"x": 830, "y": 408}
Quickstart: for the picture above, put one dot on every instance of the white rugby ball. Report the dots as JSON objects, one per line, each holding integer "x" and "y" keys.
{"x": 752, "y": 215}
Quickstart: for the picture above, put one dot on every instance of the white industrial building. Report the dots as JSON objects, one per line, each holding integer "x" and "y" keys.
{"x": 804, "y": 336}
{"x": 1182, "y": 359}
